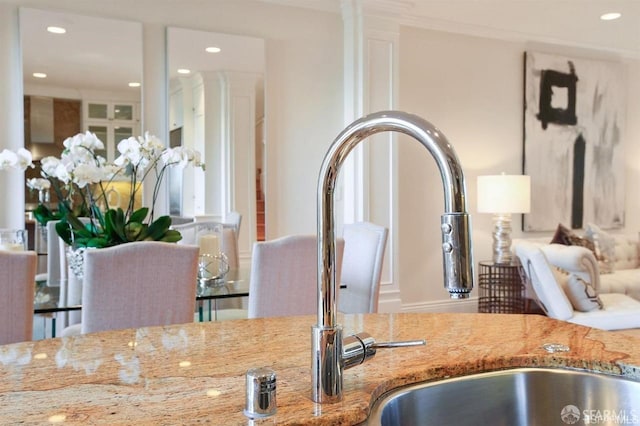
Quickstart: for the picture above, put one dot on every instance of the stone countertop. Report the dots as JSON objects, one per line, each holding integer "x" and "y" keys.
{"x": 195, "y": 373}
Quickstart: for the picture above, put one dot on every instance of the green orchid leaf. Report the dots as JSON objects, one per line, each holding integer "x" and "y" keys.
{"x": 63, "y": 230}
{"x": 98, "y": 242}
{"x": 114, "y": 222}
{"x": 171, "y": 236}
{"x": 158, "y": 228}
{"x": 133, "y": 230}
{"x": 43, "y": 215}
{"x": 139, "y": 215}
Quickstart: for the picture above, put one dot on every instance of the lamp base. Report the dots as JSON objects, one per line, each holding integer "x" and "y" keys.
{"x": 502, "y": 238}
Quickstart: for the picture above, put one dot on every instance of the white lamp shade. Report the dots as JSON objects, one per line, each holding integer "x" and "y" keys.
{"x": 504, "y": 194}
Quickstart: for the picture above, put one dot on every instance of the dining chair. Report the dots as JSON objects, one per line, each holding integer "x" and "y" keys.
{"x": 364, "y": 247}
{"x": 234, "y": 218}
{"x": 179, "y": 220}
{"x": 284, "y": 276}
{"x": 17, "y": 279}
{"x": 138, "y": 284}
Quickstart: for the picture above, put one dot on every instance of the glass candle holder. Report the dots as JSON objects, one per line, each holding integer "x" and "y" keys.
{"x": 13, "y": 239}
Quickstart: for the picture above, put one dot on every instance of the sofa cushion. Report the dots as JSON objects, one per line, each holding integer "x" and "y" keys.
{"x": 549, "y": 294}
{"x": 619, "y": 312}
{"x": 626, "y": 253}
{"x": 605, "y": 247}
{"x": 624, "y": 281}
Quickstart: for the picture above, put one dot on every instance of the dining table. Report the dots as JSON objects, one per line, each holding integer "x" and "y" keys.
{"x": 48, "y": 304}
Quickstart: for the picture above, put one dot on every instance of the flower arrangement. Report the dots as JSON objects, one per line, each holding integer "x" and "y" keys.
{"x": 80, "y": 178}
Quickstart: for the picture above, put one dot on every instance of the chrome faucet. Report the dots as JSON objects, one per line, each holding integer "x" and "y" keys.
{"x": 328, "y": 358}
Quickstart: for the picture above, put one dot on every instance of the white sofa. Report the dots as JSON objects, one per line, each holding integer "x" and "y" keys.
{"x": 625, "y": 277}
{"x": 619, "y": 291}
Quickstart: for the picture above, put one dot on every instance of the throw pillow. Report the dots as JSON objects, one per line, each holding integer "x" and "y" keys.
{"x": 605, "y": 247}
{"x": 582, "y": 295}
{"x": 567, "y": 237}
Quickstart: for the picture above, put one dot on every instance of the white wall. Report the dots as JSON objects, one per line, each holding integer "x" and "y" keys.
{"x": 472, "y": 89}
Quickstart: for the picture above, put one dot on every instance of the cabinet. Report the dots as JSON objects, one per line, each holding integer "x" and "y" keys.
{"x": 111, "y": 122}
{"x": 501, "y": 288}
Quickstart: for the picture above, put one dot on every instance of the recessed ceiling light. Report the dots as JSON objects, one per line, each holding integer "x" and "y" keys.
{"x": 134, "y": 84}
{"x": 39, "y": 75}
{"x": 212, "y": 49}
{"x": 184, "y": 71}
{"x": 56, "y": 30}
{"x": 610, "y": 16}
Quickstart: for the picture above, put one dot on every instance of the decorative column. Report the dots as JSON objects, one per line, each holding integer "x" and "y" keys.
{"x": 12, "y": 183}
{"x": 155, "y": 100}
{"x": 371, "y": 59}
{"x": 228, "y": 138}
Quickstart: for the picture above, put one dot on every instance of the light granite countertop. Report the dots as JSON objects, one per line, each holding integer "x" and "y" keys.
{"x": 195, "y": 373}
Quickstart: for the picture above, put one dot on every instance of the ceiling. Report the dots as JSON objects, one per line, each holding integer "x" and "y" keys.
{"x": 92, "y": 45}
{"x": 567, "y": 22}
{"x": 95, "y": 53}
{"x": 106, "y": 54}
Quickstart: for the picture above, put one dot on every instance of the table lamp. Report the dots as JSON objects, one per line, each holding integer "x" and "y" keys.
{"x": 503, "y": 195}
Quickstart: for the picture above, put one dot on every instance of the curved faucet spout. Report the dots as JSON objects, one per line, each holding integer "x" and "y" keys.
{"x": 455, "y": 227}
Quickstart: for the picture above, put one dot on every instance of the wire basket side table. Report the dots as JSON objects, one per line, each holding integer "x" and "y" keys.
{"x": 501, "y": 288}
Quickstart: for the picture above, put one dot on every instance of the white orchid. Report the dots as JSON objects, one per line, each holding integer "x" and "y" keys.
{"x": 80, "y": 179}
{"x": 87, "y": 173}
{"x": 53, "y": 167}
{"x": 82, "y": 147}
{"x": 38, "y": 184}
{"x": 19, "y": 160}
{"x": 130, "y": 152}
{"x": 181, "y": 157}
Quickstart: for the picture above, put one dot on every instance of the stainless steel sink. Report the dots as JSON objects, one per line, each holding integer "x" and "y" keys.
{"x": 516, "y": 397}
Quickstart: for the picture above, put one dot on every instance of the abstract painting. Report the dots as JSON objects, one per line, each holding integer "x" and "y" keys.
{"x": 574, "y": 121}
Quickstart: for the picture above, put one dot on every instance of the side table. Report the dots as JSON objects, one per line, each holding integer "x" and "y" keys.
{"x": 501, "y": 287}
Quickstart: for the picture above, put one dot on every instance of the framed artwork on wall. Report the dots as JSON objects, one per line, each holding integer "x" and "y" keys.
{"x": 574, "y": 122}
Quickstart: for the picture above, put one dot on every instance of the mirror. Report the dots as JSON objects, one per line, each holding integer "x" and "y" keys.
{"x": 216, "y": 105}
{"x": 85, "y": 78}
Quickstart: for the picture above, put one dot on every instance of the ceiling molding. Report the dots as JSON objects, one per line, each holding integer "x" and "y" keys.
{"x": 414, "y": 13}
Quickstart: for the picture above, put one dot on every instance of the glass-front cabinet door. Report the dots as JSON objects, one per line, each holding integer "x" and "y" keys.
{"x": 110, "y": 135}
{"x": 111, "y": 122}
{"x": 111, "y": 111}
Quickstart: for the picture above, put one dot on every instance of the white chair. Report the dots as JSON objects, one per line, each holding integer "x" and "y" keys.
{"x": 179, "y": 220}
{"x": 364, "y": 247}
{"x": 17, "y": 279}
{"x": 137, "y": 284}
{"x": 284, "y": 277}
{"x": 233, "y": 218}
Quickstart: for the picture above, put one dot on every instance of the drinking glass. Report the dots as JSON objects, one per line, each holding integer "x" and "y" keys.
{"x": 13, "y": 239}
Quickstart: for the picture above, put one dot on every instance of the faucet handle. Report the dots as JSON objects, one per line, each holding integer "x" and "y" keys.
{"x": 399, "y": 344}
{"x": 358, "y": 348}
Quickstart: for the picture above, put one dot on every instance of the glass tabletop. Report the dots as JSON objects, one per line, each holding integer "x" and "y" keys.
{"x": 235, "y": 284}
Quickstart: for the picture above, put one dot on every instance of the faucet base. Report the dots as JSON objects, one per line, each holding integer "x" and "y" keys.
{"x": 326, "y": 359}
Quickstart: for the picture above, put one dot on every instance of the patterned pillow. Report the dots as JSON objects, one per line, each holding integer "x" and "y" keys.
{"x": 605, "y": 248}
{"x": 567, "y": 237}
{"x": 582, "y": 295}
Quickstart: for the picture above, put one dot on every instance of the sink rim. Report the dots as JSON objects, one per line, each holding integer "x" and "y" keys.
{"x": 377, "y": 406}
